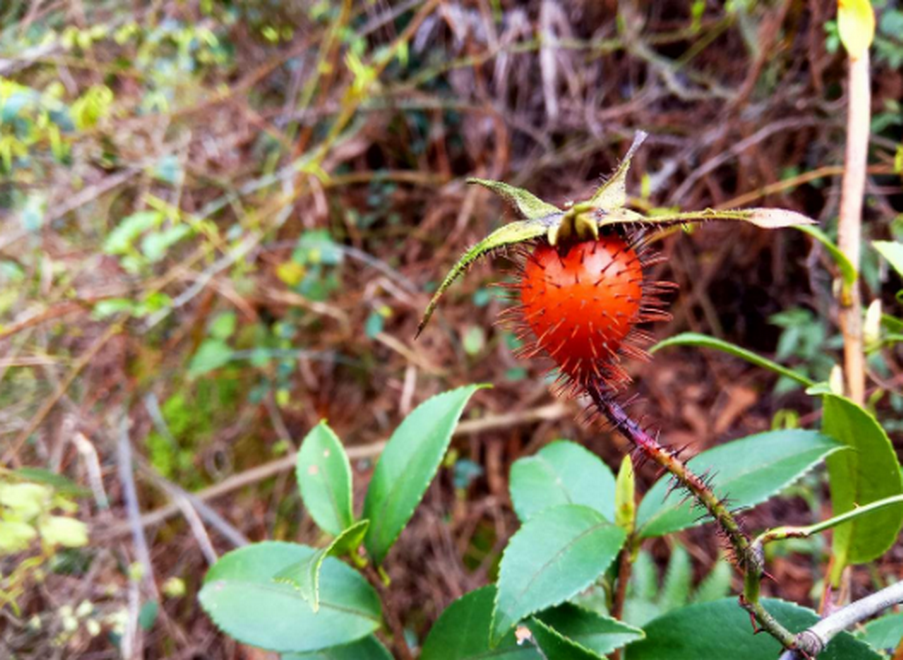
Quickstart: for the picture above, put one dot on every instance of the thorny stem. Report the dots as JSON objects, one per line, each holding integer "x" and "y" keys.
{"x": 748, "y": 556}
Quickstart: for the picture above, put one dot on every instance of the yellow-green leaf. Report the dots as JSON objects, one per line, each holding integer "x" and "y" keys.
{"x": 67, "y": 532}
{"x": 15, "y": 535}
{"x": 856, "y": 26}
{"x": 25, "y": 500}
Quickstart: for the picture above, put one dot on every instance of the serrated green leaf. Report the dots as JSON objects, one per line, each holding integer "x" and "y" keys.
{"x": 704, "y": 341}
{"x": 554, "y": 645}
{"x": 407, "y": 465}
{"x": 368, "y": 648}
{"x": 562, "y": 472}
{"x": 644, "y": 579}
{"x": 554, "y": 556}
{"x": 613, "y": 193}
{"x": 721, "y": 629}
{"x": 462, "y": 633}
{"x": 509, "y": 234}
{"x": 884, "y": 633}
{"x": 305, "y": 575}
{"x": 764, "y": 218}
{"x": 715, "y": 585}
{"x": 868, "y": 473}
{"x": 324, "y": 479}
{"x": 746, "y": 471}
{"x": 892, "y": 251}
{"x": 599, "y": 634}
{"x": 527, "y": 205}
{"x": 678, "y": 577}
{"x": 241, "y": 597}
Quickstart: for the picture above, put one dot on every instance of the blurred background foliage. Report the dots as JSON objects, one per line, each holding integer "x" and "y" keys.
{"x": 221, "y": 221}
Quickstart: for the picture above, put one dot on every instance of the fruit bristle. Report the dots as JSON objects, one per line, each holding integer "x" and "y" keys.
{"x": 580, "y": 304}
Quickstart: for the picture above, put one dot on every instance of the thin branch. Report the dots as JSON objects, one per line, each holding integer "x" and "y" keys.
{"x": 849, "y": 228}
{"x": 130, "y": 495}
{"x": 254, "y": 475}
{"x": 813, "y": 641}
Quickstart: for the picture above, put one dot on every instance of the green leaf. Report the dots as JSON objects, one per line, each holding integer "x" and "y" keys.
{"x": 462, "y": 633}
{"x": 625, "y": 496}
{"x": 599, "y": 634}
{"x": 324, "y": 479}
{"x": 368, "y": 648}
{"x": 884, "y": 633}
{"x": 555, "y": 555}
{"x": 721, "y": 629}
{"x": 554, "y": 645}
{"x": 513, "y": 232}
{"x": 892, "y": 251}
{"x": 527, "y": 205}
{"x": 868, "y": 473}
{"x": 241, "y": 597}
{"x": 847, "y": 269}
{"x": 121, "y": 240}
{"x": 156, "y": 244}
{"x": 212, "y": 354}
{"x": 58, "y": 482}
{"x": 317, "y": 247}
{"x": 147, "y": 617}
{"x": 704, "y": 341}
{"x": 60, "y": 530}
{"x": 15, "y": 536}
{"x": 676, "y": 587}
{"x": 764, "y": 218}
{"x": 746, "y": 471}
{"x": 717, "y": 584}
{"x": 562, "y": 472}
{"x": 407, "y": 465}
{"x": 305, "y": 575}
{"x": 25, "y": 500}
{"x": 855, "y": 26}
{"x": 613, "y": 193}
{"x": 223, "y": 326}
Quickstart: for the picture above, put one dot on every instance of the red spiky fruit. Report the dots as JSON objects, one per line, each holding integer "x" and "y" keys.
{"x": 582, "y": 302}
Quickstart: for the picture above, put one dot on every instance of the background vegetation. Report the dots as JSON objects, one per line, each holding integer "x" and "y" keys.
{"x": 222, "y": 220}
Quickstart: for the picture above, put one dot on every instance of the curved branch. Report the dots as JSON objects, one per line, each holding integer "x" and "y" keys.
{"x": 813, "y": 641}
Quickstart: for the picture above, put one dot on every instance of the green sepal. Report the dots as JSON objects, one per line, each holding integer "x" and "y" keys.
{"x": 527, "y": 205}
{"x": 513, "y": 232}
{"x": 613, "y": 193}
{"x": 764, "y": 218}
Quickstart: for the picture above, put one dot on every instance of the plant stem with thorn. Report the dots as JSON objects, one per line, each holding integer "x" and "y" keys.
{"x": 749, "y": 557}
